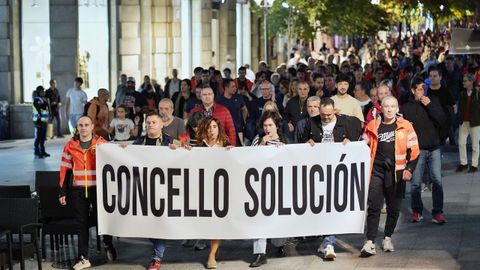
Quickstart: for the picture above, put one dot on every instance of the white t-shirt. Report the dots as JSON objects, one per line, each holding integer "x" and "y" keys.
{"x": 122, "y": 128}
{"x": 78, "y": 99}
{"x": 174, "y": 87}
{"x": 328, "y": 132}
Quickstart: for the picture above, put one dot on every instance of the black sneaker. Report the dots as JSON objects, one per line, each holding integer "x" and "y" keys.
{"x": 259, "y": 260}
{"x": 111, "y": 253}
{"x": 472, "y": 169}
{"x": 281, "y": 252}
{"x": 461, "y": 168}
{"x": 45, "y": 154}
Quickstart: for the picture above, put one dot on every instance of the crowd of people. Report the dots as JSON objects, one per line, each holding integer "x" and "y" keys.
{"x": 406, "y": 99}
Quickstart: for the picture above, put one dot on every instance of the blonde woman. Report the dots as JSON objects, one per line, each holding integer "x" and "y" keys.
{"x": 292, "y": 91}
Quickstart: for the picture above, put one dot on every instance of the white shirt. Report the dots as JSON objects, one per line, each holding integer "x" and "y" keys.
{"x": 173, "y": 87}
{"x": 328, "y": 132}
{"x": 78, "y": 99}
{"x": 122, "y": 128}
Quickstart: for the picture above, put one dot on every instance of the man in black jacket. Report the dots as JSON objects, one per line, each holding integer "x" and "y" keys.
{"x": 330, "y": 127}
{"x": 426, "y": 115}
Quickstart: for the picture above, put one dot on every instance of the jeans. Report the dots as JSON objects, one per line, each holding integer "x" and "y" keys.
{"x": 40, "y": 137}
{"x": 73, "y": 119}
{"x": 329, "y": 240}
{"x": 158, "y": 249}
{"x": 56, "y": 117}
{"x": 431, "y": 160}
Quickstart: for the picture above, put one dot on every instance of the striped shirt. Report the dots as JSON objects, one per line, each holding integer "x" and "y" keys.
{"x": 257, "y": 140}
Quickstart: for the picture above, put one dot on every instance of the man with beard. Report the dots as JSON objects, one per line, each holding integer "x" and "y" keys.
{"x": 172, "y": 125}
{"x": 345, "y": 103}
{"x": 317, "y": 86}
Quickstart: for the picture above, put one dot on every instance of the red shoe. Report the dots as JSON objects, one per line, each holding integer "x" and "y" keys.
{"x": 154, "y": 265}
{"x": 439, "y": 219}
{"x": 416, "y": 217}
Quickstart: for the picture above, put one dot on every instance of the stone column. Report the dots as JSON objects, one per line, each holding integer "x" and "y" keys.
{"x": 175, "y": 15}
{"x": 186, "y": 39}
{"x": 227, "y": 21}
{"x": 247, "y": 35}
{"x": 64, "y": 47}
{"x": 255, "y": 38}
{"x": 244, "y": 35}
{"x": 113, "y": 59}
{"x": 10, "y": 90}
{"x": 201, "y": 33}
{"x": 164, "y": 38}
{"x": 129, "y": 38}
{"x": 145, "y": 38}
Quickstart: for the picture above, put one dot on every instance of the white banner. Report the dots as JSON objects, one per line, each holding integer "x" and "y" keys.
{"x": 241, "y": 193}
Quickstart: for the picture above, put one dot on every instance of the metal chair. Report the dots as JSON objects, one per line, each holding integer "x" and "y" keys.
{"x": 20, "y": 216}
{"x": 6, "y": 257}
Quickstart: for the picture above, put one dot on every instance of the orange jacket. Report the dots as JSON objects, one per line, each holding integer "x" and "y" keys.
{"x": 81, "y": 163}
{"x": 406, "y": 144}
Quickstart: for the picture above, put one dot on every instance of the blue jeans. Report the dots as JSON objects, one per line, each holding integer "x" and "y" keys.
{"x": 432, "y": 160}
{"x": 158, "y": 249}
{"x": 329, "y": 240}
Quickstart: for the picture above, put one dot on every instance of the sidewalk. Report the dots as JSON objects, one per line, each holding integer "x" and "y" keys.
{"x": 455, "y": 245}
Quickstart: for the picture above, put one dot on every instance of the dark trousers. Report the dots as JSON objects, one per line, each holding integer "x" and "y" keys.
{"x": 57, "y": 118}
{"x": 40, "y": 137}
{"x": 377, "y": 193}
{"x": 85, "y": 211}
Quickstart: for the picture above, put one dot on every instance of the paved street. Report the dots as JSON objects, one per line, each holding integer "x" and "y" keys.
{"x": 455, "y": 245}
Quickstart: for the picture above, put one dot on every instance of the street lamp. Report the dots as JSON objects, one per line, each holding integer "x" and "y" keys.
{"x": 265, "y": 5}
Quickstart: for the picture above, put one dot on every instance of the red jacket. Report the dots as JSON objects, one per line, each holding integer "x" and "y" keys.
{"x": 81, "y": 163}
{"x": 373, "y": 113}
{"x": 223, "y": 115}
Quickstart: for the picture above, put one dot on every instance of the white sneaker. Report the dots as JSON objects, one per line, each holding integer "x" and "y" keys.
{"x": 82, "y": 264}
{"x": 368, "y": 249}
{"x": 327, "y": 251}
{"x": 388, "y": 245}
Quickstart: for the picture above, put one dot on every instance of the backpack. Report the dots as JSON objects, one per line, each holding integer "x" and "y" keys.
{"x": 87, "y": 106}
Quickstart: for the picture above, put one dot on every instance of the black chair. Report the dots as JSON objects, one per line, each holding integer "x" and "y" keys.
{"x": 57, "y": 220}
{"x": 20, "y": 216}
{"x": 15, "y": 191}
{"x": 6, "y": 255}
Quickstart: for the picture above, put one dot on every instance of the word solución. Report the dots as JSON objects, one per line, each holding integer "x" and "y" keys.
{"x": 264, "y": 191}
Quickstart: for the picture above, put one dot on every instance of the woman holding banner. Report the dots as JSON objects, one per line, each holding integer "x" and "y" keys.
{"x": 211, "y": 134}
{"x": 394, "y": 151}
{"x": 270, "y": 122}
